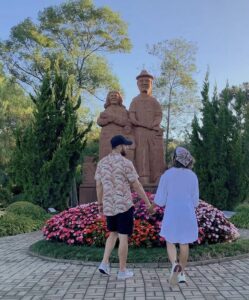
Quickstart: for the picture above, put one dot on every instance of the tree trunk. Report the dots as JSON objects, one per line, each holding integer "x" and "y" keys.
{"x": 73, "y": 195}
{"x": 167, "y": 128}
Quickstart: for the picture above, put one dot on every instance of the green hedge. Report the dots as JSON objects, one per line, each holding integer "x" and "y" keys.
{"x": 241, "y": 218}
{"x": 27, "y": 209}
{"x": 22, "y": 217}
{"x": 11, "y": 224}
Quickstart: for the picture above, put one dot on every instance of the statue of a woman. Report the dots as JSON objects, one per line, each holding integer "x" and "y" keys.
{"x": 112, "y": 120}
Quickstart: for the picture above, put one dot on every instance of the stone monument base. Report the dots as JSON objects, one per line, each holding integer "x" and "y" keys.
{"x": 87, "y": 193}
{"x": 150, "y": 187}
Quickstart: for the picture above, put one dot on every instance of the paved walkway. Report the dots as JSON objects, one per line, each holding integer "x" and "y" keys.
{"x": 26, "y": 277}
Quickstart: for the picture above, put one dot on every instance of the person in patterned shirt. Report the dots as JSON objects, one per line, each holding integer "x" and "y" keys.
{"x": 115, "y": 175}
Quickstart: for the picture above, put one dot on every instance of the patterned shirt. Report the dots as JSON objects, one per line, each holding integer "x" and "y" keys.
{"x": 116, "y": 173}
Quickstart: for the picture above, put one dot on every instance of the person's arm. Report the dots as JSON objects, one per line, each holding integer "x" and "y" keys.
{"x": 161, "y": 193}
{"x": 137, "y": 186}
{"x": 99, "y": 190}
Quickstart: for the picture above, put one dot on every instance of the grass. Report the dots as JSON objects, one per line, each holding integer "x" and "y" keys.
{"x": 138, "y": 255}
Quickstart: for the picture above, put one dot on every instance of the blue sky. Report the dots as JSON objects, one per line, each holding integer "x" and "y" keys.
{"x": 220, "y": 29}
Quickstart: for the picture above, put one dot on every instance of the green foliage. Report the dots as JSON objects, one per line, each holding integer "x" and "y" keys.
{"x": 244, "y": 207}
{"x": 241, "y": 218}
{"x": 11, "y": 224}
{"x": 77, "y": 33}
{"x": 218, "y": 145}
{"x": 5, "y": 196}
{"x": 92, "y": 149}
{"x": 175, "y": 85}
{"x": 15, "y": 112}
{"x": 27, "y": 209}
{"x": 48, "y": 152}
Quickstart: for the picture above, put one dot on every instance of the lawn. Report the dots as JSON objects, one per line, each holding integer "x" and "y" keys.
{"x": 138, "y": 255}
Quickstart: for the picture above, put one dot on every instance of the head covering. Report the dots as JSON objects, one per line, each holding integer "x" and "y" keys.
{"x": 119, "y": 140}
{"x": 183, "y": 156}
{"x": 144, "y": 73}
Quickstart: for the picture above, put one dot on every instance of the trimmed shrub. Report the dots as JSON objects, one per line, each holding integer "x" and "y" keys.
{"x": 27, "y": 209}
{"x": 11, "y": 224}
{"x": 83, "y": 226}
{"x": 241, "y": 218}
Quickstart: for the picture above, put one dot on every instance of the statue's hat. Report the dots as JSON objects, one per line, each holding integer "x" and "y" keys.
{"x": 144, "y": 73}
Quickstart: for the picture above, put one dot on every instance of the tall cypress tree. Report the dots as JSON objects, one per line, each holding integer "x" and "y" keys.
{"x": 217, "y": 145}
{"x": 241, "y": 109}
{"x": 245, "y": 149}
{"x": 47, "y": 153}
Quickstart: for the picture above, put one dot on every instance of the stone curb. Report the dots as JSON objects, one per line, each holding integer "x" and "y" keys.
{"x": 141, "y": 265}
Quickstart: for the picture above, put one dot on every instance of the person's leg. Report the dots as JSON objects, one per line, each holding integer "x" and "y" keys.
{"x": 176, "y": 268}
{"x": 122, "y": 251}
{"x": 110, "y": 244}
{"x": 111, "y": 221}
{"x": 184, "y": 252}
{"x": 172, "y": 253}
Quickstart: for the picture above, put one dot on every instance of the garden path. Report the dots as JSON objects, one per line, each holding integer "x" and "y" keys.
{"x": 25, "y": 277}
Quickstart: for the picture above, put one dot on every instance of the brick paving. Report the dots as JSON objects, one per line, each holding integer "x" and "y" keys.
{"x": 25, "y": 277}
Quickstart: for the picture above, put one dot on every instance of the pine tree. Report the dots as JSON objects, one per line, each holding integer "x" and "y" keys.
{"x": 47, "y": 153}
{"x": 219, "y": 146}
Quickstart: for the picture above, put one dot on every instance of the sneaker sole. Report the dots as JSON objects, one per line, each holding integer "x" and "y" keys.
{"x": 121, "y": 278}
{"x": 182, "y": 281}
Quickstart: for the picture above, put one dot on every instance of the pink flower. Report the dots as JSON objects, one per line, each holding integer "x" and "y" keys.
{"x": 83, "y": 225}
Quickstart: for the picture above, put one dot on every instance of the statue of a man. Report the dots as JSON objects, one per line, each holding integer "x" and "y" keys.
{"x": 145, "y": 114}
{"x": 112, "y": 120}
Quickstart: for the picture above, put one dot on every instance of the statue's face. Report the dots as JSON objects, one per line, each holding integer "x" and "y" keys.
{"x": 114, "y": 98}
{"x": 145, "y": 85}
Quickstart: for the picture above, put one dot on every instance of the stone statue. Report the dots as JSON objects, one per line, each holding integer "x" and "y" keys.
{"x": 145, "y": 114}
{"x": 129, "y": 134}
{"x": 112, "y": 120}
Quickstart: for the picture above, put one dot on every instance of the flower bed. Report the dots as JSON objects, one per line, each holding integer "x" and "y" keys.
{"x": 83, "y": 225}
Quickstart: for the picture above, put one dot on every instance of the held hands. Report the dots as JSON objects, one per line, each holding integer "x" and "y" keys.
{"x": 100, "y": 209}
{"x": 151, "y": 210}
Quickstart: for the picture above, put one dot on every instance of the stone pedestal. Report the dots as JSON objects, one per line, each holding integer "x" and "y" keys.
{"x": 150, "y": 188}
{"x": 87, "y": 194}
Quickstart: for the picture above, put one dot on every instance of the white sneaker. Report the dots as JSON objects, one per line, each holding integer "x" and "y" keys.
{"x": 176, "y": 269}
{"x": 126, "y": 274}
{"x": 181, "y": 278}
{"x": 104, "y": 268}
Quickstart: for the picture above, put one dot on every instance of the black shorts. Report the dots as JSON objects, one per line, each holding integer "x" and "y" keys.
{"x": 121, "y": 223}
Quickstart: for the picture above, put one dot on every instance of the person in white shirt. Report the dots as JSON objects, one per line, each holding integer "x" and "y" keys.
{"x": 178, "y": 191}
